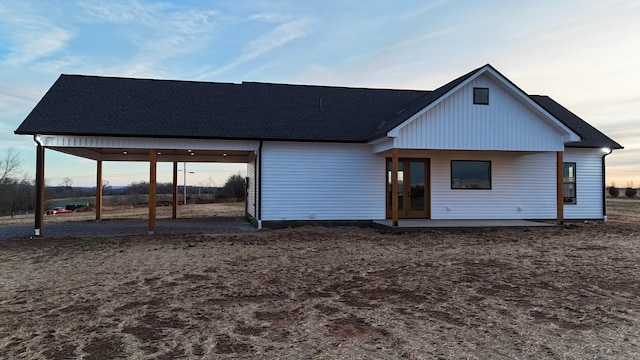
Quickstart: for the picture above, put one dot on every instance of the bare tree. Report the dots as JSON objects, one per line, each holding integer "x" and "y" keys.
{"x": 67, "y": 182}
{"x": 10, "y": 164}
{"x": 106, "y": 185}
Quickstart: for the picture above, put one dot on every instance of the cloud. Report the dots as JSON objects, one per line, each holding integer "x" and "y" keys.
{"x": 121, "y": 11}
{"x": 276, "y": 38}
{"x": 411, "y": 42}
{"x": 156, "y": 32}
{"x": 269, "y": 17}
{"x": 30, "y": 37}
{"x": 279, "y": 36}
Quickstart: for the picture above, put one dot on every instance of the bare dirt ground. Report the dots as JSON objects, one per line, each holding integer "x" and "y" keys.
{"x": 318, "y": 293}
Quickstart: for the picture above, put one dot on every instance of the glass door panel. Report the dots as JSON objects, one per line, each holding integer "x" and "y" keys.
{"x": 413, "y": 188}
{"x": 416, "y": 186}
{"x": 400, "y": 186}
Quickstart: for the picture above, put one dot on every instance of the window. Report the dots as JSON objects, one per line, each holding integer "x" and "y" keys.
{"x": 467, "y": 174}
{"x": 481, "y": 96}
{"x": 569, "y": 183}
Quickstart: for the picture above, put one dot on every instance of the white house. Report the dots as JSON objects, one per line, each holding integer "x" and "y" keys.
{"x": 476, "y": 148}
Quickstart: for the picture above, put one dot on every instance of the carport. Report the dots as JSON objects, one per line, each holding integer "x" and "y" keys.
{"x": 149, "y": 150}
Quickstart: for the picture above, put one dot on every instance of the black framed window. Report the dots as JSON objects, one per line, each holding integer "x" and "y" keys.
{"x": 470, "y": 174}
{"x": 481, "y": 96}
{"x": 569, "y": 183}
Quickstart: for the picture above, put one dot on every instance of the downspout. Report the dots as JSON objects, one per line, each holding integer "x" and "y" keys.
{"x": 259, "y": 188}
{"x": 606, "y": 151}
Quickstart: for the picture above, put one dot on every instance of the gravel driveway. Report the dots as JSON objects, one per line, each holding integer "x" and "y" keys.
{"x": 107, "y": 228}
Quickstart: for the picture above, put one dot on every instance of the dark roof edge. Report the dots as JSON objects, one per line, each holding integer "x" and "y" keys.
{"x": 243, "y": 83}
{"x": 612, "y": 143}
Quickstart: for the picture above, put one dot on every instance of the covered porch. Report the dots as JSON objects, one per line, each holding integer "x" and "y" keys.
{"x": 148, "y": 150}
{"x": 436, "y": 186}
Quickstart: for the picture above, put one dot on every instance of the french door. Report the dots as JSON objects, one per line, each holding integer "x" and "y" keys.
{"x": 413, "y": 188}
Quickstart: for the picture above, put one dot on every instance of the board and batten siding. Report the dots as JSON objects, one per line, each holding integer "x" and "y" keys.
{"x": 523, "y": 186}
{"x": 507, "y": 123}
{"x": 589, "y": 189}
{"x": 321, "y": 181}
{"x": 251, "y": 188}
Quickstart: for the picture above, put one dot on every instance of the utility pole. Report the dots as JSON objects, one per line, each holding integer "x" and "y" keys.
{"x": 184, "y": 170}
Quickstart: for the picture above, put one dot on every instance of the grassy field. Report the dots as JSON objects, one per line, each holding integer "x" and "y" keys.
{"x": 320, "y": 293}
{"x": 115, "y": 212}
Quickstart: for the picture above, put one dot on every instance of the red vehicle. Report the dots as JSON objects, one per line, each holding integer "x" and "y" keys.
{"x": 58, "y": 210}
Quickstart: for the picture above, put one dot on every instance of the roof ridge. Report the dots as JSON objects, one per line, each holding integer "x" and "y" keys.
{"x": 145, "y": 79}
{"x": 333, "y": 86}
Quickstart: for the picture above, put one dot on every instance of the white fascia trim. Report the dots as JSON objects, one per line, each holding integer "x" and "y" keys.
{"x": 382, "y": 144}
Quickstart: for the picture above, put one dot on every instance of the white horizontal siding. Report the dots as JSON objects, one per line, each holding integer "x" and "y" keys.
{"x": 322, "y": 181}
{"x": 589, "y": 189}
{"x": 523, "y": 187}
{"x": 251, "y": 188}
{"x": 507, "y": 123}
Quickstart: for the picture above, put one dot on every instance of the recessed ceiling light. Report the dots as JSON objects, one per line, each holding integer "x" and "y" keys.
{"x": 225, "y": 154}
{"x": 124, "y": 153}
{"x": 159, "y": 153}
{"x": 192, "y": 154}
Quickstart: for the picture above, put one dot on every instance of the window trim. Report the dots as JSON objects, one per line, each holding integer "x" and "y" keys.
{"x": 574, "y": 183}
{"x": 477, "y": 95}
{"x": 453, "y": 187}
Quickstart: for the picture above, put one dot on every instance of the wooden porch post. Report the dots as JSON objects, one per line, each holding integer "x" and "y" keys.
{"x": 152, "y": 191}
{"x": 99, "y": 190}
{"x": 560, "y": 187}
{"x": 39, "y": 215}
{"x": 394, "y": 186}
{"x": 174, "y": 192}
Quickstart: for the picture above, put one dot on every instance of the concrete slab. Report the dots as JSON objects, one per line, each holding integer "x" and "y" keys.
{"x": 427, "y": 224}
{"x": 121, "y": 227}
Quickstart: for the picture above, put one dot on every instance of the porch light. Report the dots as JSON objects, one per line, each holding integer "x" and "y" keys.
{"x": 606, "y": 150}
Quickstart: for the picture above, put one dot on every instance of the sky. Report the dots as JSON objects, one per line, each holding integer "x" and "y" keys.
{"x": 585, "y": 54}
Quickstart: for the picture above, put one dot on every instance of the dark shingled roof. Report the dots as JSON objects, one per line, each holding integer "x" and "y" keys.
{"x": 109, "y": 106}
{"x": 591, "y": 137}
{"x": 104, "y": 106}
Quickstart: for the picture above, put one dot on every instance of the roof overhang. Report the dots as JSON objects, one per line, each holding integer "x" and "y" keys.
{"x": 139, "y": 149}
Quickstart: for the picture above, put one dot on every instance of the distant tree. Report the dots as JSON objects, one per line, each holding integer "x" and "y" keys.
{"x": 67, "y": 182}
{"x": 630, "y": 192}
{"x": 10, "y": 164}
{"x": 613, "y": 190}
{"x": 106, "y": 186}
{"x": 234, "y": 187}
{"x": 15, "y": 194}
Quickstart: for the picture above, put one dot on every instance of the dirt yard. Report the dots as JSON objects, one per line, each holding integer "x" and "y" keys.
{"x": 321, "y": 293}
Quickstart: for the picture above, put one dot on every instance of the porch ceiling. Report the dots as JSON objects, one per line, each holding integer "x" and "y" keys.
{"x": 163, "y": 155}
